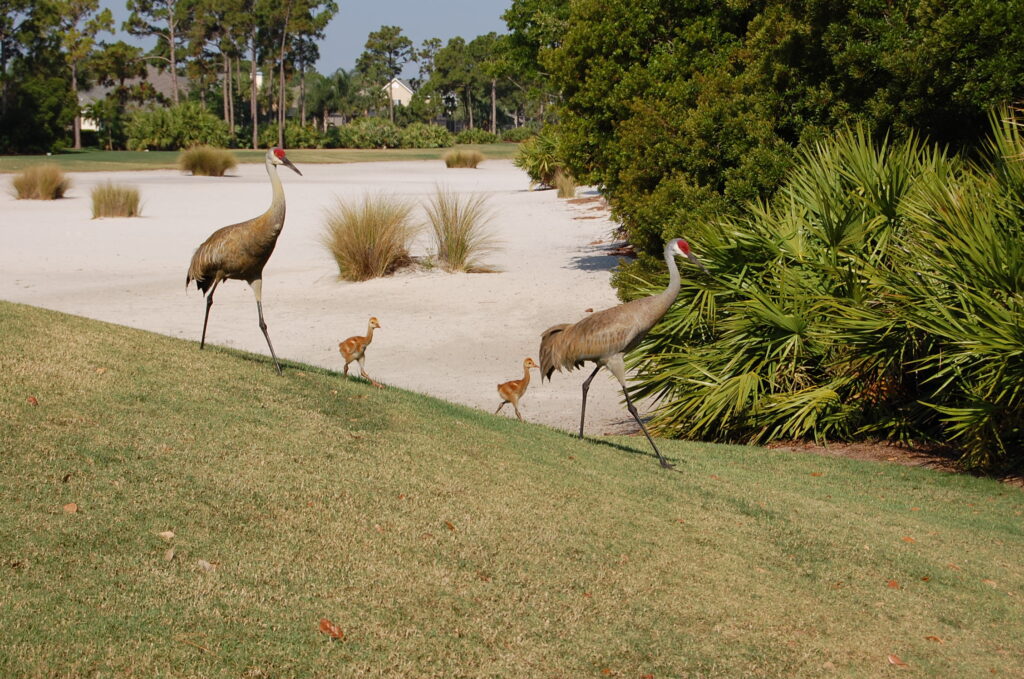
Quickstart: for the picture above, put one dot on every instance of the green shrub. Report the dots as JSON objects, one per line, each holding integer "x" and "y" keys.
{"x": 111, "y": 200}
{"x": 176, "y": 127}
{"x": 539, "y": 157}
{"x": 565, "y": 184}
{"x": 460, "y": 230}
{"x": 296, "y": 136}
{"x": 463, "y": 158}
{"x": 518, "y": 134}
{"x": 206, "y": 161}
{"x": 424, "y": 136}
{"x": 476, "y": 136}
{"x": 878, "y": 295}
{"x": 41, "y": 182}
{"x": 367, "y": 133}
{"x": 369, "y": 239}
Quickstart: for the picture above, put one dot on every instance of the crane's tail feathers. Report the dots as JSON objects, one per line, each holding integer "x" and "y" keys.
{"x": 550, "y": 350}
{"x": 201, "y": 284}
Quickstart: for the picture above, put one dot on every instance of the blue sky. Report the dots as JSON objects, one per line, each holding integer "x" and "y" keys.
{"x": 347, "y": 32}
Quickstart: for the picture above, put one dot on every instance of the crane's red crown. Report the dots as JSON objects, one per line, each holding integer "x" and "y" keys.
{"x": 683, "y": 245}
{"x": 279, "y": 153}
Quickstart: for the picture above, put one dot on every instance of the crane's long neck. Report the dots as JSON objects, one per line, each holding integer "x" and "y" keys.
{"x": 526, "y": 376}
{"x": 275, "y": 215}
{"x": 674, "y": 283}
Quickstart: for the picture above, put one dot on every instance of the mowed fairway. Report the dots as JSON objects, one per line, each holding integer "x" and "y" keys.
{"x": 445, "y": 542}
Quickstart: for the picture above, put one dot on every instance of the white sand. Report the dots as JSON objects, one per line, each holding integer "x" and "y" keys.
{"x": 454, "y": 336}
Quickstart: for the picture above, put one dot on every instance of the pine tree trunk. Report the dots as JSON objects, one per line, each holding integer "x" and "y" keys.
{"x": 494, "y": 106}
{"x": 253, "y": 104}
{"x": 78, "y": 108}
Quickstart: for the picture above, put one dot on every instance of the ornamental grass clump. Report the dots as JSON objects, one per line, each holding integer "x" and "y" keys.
{"x": 565, "y": 184}
{"x": 206, "y": 161}
{"x": 459, "y": 227}
{"x": 112, "y": 200}
{"x": 369, "y": 238}
{"x": 42, "y": 182}
{"x": 463, "y": 158}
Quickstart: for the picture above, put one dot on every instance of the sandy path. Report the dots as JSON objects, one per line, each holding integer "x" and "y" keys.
{"x": 454, "y": 336}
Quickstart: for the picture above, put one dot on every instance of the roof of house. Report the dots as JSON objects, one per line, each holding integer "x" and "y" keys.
{"x": 160, "y": 80}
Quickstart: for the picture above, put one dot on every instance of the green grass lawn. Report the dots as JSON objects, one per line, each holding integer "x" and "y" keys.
{"x": 92, "y": 160}
{"x": 446, "y": 542}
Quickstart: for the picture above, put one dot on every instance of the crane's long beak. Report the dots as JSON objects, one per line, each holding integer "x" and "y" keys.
{"x": 288, "y": 163}
{"x": 693, "y": 258}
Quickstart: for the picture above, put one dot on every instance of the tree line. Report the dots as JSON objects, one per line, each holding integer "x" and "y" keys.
{"x": 52, "y": 50}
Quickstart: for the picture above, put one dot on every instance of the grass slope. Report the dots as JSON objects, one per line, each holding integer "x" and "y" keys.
{"x": 94, "y": 160}
{"x": 446, "y": 542}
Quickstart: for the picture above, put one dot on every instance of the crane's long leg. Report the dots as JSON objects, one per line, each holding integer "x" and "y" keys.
{"x": 586, "y": 388}
{"x": 257, "y": 288}
{"x": 618, "y": 368}
{"x": 209, "y": 303}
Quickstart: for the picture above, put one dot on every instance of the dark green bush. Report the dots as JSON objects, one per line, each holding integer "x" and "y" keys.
{"x": 367, "y": 133}
{"x": 541, "y": 158}
{"x": 877, "y": 295}
{"x": 476, "y": 136}
{"x": 174, "y": 128}
{"x": 518, "y": 134}
{"x": 425, "y": 136}
{"x": 296, "y": 136}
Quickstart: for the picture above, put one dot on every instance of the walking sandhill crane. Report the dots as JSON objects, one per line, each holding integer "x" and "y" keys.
{"x": 354, "y": 349}
{"x": 606, "y": 336}
{"x": 513, "y": 390}
{"x": 240, "y": 251}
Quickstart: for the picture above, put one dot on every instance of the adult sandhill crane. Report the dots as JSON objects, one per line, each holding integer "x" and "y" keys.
{"x": 513, "y": 390}
{"x": 354, "y": 349}
{"x": 240, "y": 251}
{"x": 605, "y": 337}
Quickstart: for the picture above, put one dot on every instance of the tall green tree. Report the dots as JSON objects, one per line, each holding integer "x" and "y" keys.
{"x": 454, "y": 75}
{"x": 169, "y": 21}
{"x": 292, "y": 26}
{"x": 80, "y": 21}
{"x": 114, "y": 65}
{"x": 387, "y": 52}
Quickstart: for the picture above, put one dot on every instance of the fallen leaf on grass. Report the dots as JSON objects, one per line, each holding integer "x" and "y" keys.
{"x": 100, "y": 371}
{"x": 816, "y": 474}
{"x": 990, "y": 583}
{"x": 450, "y": 525}
{"x": 166, "y": 535}
{"x": 169, "y": 554}
{"x": 892, "y": 584}
{"x": 331, "y": 630}
{"x": 32, "y": 401}
{"x": 932, "y": 637}
{"x": 897, "y": 661}
{"x": 907, "y": 538}
{"x": 71, "y": 508}
{"x": 207, "y": 566}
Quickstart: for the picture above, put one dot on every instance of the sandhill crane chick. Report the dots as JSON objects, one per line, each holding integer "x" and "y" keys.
{"x": 354, "y": 349}
{"x": 240, "y": 251}
{"x": 513, "y": 390}
{"x": 605, "y": 337}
